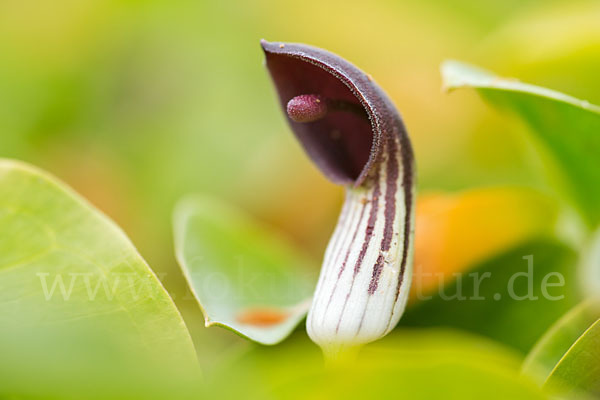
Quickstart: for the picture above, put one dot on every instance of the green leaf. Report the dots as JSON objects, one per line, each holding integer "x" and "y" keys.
{"x": 245, "y": 277}
{"x": 590, "y": 265}
{"x": 579, "y": 368}
{"x": 557, "y": 355}
{"x": 566, "y": 358}
{"x": 78, "y": 303}
{"x": 504, "y": 297}
{"x": 412, "y": 364}
{"x": 568, "y": 127}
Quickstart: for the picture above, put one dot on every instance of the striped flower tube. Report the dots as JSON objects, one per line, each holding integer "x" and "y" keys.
{"x": 354, "y": 134}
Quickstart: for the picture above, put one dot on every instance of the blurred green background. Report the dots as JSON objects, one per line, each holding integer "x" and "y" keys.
{"x": 137, "y": 103}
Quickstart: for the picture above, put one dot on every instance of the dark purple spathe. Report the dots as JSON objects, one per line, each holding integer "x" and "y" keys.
{"x": 344, "y": 145}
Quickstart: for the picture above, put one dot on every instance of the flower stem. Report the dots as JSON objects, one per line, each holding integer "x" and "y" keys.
{"x": 340, "y": 355}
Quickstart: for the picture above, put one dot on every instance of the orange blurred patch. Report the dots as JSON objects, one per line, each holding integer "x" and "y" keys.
{"x": 262, "y": 316}
{"x": 456, "y": 231}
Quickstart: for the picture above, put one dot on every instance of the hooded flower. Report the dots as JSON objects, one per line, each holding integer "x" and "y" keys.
{"x": 354, "y": 134}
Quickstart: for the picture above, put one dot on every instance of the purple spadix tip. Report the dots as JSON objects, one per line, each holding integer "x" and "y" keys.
{"x": 306, "y": 108}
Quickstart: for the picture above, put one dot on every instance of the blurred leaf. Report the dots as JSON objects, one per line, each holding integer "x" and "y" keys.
{"x": 590, "y": 266}
{"x": 92, "y": 359}
{"x": 419, "y": 364}
{"x": 510, "y": 298}
{"x": 545, "y": 42}
{"x": 567, "y": 126}
{"x": 245, "y": 277}
{"x": 579, "y": 367}
{"x": 456, "y": 231}
{"x": 73, "y": 285}
{"x": 557, "y": 355}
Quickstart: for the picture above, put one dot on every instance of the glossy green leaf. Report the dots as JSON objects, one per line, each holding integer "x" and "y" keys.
{"x": 579, "y": 368}
{"x": 412, "y": 364}
{"x": 567, "y": 357}
{"x": 245, "y": 277}
{"x": 513, "y": 297}
{"x": 78, "y": 303}
{"x": 557, "y": 354}
{"x": 567, "y": 126}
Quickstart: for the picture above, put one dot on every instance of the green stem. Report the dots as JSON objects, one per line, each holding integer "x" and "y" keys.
{"x": 340, "y": 355}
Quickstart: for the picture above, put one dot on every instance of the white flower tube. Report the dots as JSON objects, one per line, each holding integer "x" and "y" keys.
{"x": 366, "y": 273}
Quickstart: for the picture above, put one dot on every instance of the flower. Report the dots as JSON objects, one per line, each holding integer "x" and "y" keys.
{"x": 354, "y": 134}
